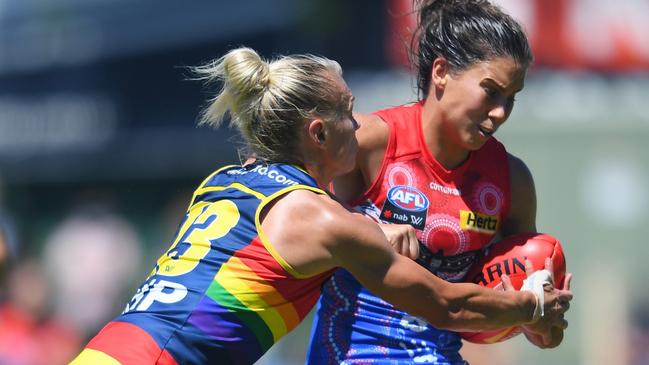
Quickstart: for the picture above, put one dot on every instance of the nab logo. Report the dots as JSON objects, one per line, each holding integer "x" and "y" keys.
{"x": 408, "y": 198}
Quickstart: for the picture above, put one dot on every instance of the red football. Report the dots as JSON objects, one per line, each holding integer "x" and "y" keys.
{"x": 508, "y": 257}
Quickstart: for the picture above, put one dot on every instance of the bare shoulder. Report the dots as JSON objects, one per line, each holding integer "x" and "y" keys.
{"x": 307, "y": 228}
{"x": 522, "y": 214}
{"x": 327, "y": 220}
{"x": 292, "y": 213}
{"x": 373, "y": 132}
{"x": 518, "y": 170}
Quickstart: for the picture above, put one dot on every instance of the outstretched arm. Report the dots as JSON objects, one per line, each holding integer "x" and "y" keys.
{"x": 322, "y": 235}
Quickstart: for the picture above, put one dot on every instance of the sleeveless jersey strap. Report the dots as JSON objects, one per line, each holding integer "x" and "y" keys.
{"x": 262, "y": 236}
{"x": 404, "y": 122}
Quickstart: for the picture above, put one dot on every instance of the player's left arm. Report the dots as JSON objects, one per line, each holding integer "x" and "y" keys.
{"x": 522, "y": 218}
{"x": 522, "y": 211}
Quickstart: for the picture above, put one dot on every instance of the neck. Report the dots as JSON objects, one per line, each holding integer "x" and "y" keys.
{"x": 319, "y": 174}
{"x": 440, "y": 142}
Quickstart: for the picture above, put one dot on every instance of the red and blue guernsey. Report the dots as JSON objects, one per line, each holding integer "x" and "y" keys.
{"x": 455, "y": 212}
{"x": 221, "y": 294}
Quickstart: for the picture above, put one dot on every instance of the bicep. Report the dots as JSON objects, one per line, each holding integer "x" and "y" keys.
{"x": 522, "y": 213}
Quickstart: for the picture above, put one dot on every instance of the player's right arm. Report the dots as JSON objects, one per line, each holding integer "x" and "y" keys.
{"x": 313, "y": 233}
{"x": 522, "y": 218}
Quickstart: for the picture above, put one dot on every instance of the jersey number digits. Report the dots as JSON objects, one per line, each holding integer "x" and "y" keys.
{"x": 205, "y": 221}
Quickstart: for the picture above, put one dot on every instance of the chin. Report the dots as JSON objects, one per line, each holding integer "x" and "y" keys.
{"x": 347, "y": 166}
{"x": 475, "y": 145}
{"x": 476, "y": 142}
{"x": 347, "y": 169}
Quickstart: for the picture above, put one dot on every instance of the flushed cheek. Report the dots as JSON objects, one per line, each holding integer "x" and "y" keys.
{"x": 471, "y": 129}
{"x": 352, "y": 150}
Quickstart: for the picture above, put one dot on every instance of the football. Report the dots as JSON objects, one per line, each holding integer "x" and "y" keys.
{"x": 508, "y": 257}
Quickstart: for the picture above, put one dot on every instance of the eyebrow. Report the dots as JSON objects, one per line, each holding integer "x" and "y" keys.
{"x": 500, "y": 86}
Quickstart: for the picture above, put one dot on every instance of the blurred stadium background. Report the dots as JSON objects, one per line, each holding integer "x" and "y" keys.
{"x": 99, "y": 151}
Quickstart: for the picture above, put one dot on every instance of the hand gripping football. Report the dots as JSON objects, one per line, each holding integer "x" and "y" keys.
{"x": 508, "y": 257}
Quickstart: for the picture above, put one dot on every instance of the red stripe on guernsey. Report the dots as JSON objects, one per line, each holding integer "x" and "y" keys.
{"x": 130, "y": 345}
{"x": 300, "y": 292}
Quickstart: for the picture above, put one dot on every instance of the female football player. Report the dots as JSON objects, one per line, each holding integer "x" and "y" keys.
{"x": 259, "y": 240}
{"x": 435, "y": 166}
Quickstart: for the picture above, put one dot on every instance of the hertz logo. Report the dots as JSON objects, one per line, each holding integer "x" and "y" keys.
{"x": 472, "y": 221}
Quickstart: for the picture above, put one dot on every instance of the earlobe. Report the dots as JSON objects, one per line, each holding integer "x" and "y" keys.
{"x": 439, "y": 72}
{"x": 317, "y": 131}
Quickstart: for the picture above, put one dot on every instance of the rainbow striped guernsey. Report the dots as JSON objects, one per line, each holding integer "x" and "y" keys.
{"x": 221, "y": 294}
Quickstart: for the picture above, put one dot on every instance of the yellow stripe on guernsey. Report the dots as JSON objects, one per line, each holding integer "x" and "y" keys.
{"x": 196, "y": 193}
{"x": 94, "y": 357}
{"x": 269, "y": 246}
{"x": 258, "y": 296}
{"x": 237, "y": 186}
{"x": 264, "y": 201}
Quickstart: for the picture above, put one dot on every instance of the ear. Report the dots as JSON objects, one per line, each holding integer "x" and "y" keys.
{"x": 439, "y": 73}
{"x": 317, "y": 131}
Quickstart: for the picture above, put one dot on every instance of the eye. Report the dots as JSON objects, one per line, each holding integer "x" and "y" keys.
{"x": 510, "y": 102}
{"x": 492, "y": 94}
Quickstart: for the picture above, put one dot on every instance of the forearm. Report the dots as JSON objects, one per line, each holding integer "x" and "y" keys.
{"x": 410, "y": 287}
{"x": 472, "y": 307}
{"x": 460, "y": 306}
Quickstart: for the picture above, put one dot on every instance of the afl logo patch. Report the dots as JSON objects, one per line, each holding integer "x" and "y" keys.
{"x": 405, "y": 205}
{"x": 408, "y": 198}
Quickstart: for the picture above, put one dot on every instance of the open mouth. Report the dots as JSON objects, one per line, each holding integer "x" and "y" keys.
{"x": 485, "y": 131}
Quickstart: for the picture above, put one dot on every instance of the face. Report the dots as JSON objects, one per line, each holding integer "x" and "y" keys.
{"x": 342, "y": 145}
{"x": 477, "y": 101}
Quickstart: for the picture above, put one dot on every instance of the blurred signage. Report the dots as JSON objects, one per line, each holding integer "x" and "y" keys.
{"x": 55, "y": 122}
{"x": 598, "y": 35}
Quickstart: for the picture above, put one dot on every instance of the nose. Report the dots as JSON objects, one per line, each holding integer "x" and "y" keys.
{"x": 355, "y": 123}
{"x": 498, "y": 114}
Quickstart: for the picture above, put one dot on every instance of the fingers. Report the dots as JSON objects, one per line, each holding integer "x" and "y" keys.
{"x": 408, "y": 242}
{"x": 402, "y": 238}
{"x": 560, "y": 323}
{"x": 548, "y": 339}
{"x": 549, "y": 265}
{"x": 552, "y": 338}
{"x": 564, "y": 295}
{"x": 414, "y": 245}
{"x": 529, "y": 267}
{"x": 405, "y": 248}
{"x": 507, "y": 283}
{"x": 566, "y": 281}
{"x": 406, "y": 237}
